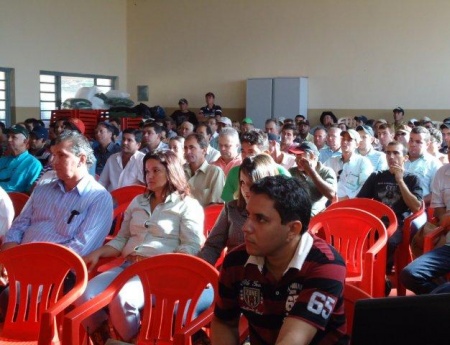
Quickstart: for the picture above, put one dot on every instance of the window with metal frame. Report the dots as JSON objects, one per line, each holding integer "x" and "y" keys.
{"x": 6, "y": 94}
{"x": 56, "y": 87}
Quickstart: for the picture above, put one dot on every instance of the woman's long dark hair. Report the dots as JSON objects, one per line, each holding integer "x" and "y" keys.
{"x": 176, "y": 178}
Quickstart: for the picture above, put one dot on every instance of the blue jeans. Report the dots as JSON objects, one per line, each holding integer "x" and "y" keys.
{"x": 420, "y": 274}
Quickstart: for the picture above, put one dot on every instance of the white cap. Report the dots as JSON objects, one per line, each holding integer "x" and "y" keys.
{"x": 225, "y": 120}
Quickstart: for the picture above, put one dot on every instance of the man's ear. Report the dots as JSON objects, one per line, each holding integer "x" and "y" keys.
{"x": 295, "y": 228}
{"x": 83, "y": 159}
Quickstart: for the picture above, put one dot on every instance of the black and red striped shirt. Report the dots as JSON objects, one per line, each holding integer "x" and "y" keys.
{"x": 311, "y": 290}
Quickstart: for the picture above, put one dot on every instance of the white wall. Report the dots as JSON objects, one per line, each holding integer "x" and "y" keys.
{"x": 358, "y": 54}
{"x": 82, "y": 36}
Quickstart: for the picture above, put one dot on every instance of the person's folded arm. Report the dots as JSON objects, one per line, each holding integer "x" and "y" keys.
{"x": 295, "y": 331}
{"x": 224, "y": 332}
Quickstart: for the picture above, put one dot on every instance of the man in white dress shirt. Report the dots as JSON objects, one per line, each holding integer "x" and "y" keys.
{"x": 125, "y": 167}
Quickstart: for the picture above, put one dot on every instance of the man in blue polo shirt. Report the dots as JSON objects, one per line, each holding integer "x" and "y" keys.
{"x": 19, "y": 169}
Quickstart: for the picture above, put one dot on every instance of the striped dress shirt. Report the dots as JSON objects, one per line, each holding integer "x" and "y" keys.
{"x": 79, "y": 219}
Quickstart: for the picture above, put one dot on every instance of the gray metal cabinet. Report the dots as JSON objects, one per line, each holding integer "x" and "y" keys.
{"x": 276, "y": 97}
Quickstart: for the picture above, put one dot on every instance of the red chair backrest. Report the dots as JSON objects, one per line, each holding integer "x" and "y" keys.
{"x": 211, "y": 214}
{"x": 359, "y": 237}
{"x": 176, "y": 282}
{"x": 372, "y": 206}
{"x": 36, "y": 273}
{"x": 118, "y": 217}
{"x": 124, "y": 195}
{"x": 19, "y": 200}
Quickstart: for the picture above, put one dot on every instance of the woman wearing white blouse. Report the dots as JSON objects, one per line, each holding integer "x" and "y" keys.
{"x": 163, "y": 220}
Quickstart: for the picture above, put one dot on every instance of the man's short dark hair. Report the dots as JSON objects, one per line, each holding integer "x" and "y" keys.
{"x": 289, "y": 126}
{"x": 322, "y": 128}
{"x": 210, "y": 94}
{"x": 2, "y": 126}
{"x": 154, "y": 125}
{"x": 201, "y": 140}
{"x": 422, "y": 130}
{"x": 271, "y": 120}
{"x": 208, "y": 128}
{"x": 33, "y": 121}
{"x": 115, "y": 119}
{"x": 396, "y": 143}
{"x": 253, "y": 138}
{"x": 136, "y": 132}
{"x": 291, "y": 198}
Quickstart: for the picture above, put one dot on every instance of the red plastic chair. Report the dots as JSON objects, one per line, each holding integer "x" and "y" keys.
{"x": 176, "y": 281}
{"x": 404, "y": 249}
{"x": 36, "y": 273}
{"x": 211, "y": 214}
{"x": 19, "y": 200}
{"x": 430, "y": 238}
{"x": 124, "y": 195}
{"x": 374, "y": 207}
{"x": 351, "y": 295}
{"x": 361, "y": 239}
{"x": 379, "y": 210}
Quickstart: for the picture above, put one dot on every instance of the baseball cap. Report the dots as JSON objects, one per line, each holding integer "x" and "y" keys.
{"x": 17, "y": 129}
{"x": 40, "y": 132}
{"x": 398, "y": 110}
{"x": 366, "y": 129}
{"x": 305, "y": 146}
{"x": 352, "y": 133}
{"x": 303, "y": 122}
{"x": 225, "y": 120}
{"x": 361, "y": 118}
{"x": 446, "y": 123}
{"x": 75, "y": 124}
{"x": 415, "y": 122}
{"x": 404, "y": 129}
{"x": 248, "y": 120}
{"x": 426, "y": 119}
{"x": 183, "y": 101}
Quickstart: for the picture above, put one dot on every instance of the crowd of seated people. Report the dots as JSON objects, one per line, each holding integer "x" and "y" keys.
{"x": 187, "y": 162}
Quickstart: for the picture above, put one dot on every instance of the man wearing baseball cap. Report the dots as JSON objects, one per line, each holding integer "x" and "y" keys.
{"x": 183, "y": 114}
{"x": 352, "y": 169}
{"x": 321, "y": 181}
{"x": 303, "y": 134}
{"x": 360, "y": 120}
{"x": 398, "y": 114}
{"x": 38, "y": 144}
{"x": 19, "y": 169}
{"x": 365, "y": 148}
{"x": 247, "y": 125}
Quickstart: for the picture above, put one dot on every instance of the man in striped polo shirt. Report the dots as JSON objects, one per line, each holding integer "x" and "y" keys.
{"x": 288, "y": 283}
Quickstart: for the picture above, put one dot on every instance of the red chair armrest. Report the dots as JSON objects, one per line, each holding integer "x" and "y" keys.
{"x": 182, "y": 337}
{"x": 430, "y": 238}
